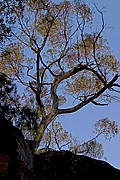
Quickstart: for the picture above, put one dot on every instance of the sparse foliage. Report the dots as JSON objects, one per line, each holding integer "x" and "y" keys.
{"x": 106, "y": 127}
{"x": 56, "y": 138}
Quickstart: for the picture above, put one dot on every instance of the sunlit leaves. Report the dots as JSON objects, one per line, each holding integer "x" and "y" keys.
{"x": 57, "y": 138}
{"x": 83, "y": 10}
{"x": 108, "y": 64}
{"x": 107, "y": 127}
{"x": 56, "y": 22}
{"x": 84, "y": 85}
{"x": 92, "y": 149}
{"x": 62, "y": 100}
{"x": 38, "y": 4}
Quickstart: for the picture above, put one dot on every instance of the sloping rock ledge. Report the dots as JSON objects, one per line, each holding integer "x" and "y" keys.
{"x": 63, "y": 165}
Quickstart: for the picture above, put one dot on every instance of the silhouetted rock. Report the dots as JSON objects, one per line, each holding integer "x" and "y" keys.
{"x": 63, "y": 165}
{"x": 16, "y": 157}
{"x": 18, "y": 161}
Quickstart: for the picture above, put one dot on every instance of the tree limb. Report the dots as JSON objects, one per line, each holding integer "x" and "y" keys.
{"x": 96, "y": 95}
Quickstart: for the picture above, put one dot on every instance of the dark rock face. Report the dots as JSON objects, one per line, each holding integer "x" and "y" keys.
{"x": 63, "y": 165}
{"x": 8, "y": 153}
{"x": 18, "y": 161}
{"x": 16, "y": 157}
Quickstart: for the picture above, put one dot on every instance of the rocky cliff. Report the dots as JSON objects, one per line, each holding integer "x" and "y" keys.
{"x": 63, "y": 165}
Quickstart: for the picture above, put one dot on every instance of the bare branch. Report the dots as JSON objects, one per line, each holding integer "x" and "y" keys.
{"x": 97, "y": 74}
{"x": 99, "y": 104}
{"x": 103, "y": 24}
{"x": 82, "y": 36}
{"x": 86, "y": 150}
{"x": 46, "y": 68}
{"x": 96, "y": 39}
{"x": 33, "y": 89}
{"x": 117, "y": 91}
{"x": 21, "y": 81}
{"x": 46, "y": 37}
{"x": 29, "y": 68}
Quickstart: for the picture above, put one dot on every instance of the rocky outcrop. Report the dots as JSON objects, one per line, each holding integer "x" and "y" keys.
{"x": 16, "y": 156}
{"x": 18, "y": 161}
{"x": 8, "y": 150}
{"x": 25, "y": 154}
{"x": 63, "y": 165}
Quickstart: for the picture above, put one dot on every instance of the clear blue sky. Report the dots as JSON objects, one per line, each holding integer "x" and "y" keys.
{"x": 81, "y": 123}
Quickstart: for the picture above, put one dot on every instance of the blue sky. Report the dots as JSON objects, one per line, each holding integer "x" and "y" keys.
{"x": 81, "y": 123}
